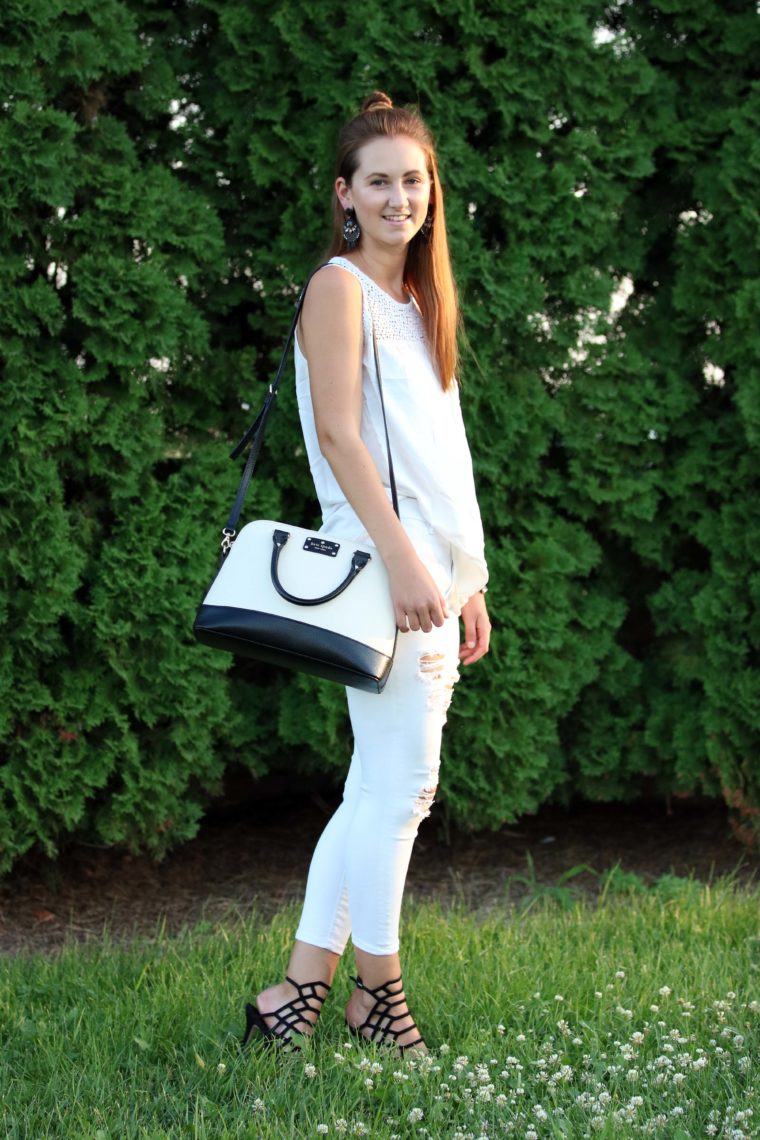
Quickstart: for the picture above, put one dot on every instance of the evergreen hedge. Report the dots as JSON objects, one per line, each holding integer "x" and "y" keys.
{"x": 165, "y": 189}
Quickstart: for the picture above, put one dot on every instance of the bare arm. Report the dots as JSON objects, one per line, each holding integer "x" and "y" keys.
{"x": 331, "y": 338}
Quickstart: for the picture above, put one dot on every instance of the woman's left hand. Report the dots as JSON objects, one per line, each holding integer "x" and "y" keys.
{"x": 477, "y": 630}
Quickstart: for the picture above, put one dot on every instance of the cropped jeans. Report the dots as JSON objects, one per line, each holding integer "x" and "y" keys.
{"x": 358, "y": 870}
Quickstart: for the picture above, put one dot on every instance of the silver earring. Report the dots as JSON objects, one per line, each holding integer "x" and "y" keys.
{"x": 351, "y": 229}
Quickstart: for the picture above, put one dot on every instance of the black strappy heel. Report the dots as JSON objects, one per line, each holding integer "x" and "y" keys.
{"x": 380, "y": 1019}
{"x": 289, "y": 1017}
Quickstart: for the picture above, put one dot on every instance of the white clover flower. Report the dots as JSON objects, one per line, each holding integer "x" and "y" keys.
{"x": 531, "y": 1135}
{"x": 501, "y": 1101}
{"x": 414, "y": 1115}
{"x": 399, "y": 1076}
{"x": 655, "y": 1008}
{"x": 620, "y": 973}
{"x": 322, "y": 1129}
{"x": 221, "y": 1067}
{"x": 369, "y": 1084}
{"x": 258, "y": 1105}
{"x": 310, "y": 1071}
{"x": 677, "y": 1110}
{"x": 339, "y": 1057}
{"x": 444, "y": 1048}
{"x": 341, "y": 1126}
{"x": 632, "y": 1074}
{"x": 540, "y": 1112}
{"x": 637, "y": 1038}
{"x": 359, "y": 1129}
{"x": 664, "y": 991}
{"x": 520, "y": 1037}
{"x": 558, "y": 997}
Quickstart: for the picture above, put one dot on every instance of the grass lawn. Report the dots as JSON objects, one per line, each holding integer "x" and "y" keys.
{"x": 634, "y": 1014}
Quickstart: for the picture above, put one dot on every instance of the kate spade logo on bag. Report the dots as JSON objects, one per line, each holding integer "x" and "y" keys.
{"x": 321, "y": 546}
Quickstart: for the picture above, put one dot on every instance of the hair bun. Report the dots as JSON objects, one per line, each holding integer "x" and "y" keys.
{"x": 376, "y": 102}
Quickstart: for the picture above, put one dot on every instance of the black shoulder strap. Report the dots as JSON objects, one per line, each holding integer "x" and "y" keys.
{"x": 254, "y": 436}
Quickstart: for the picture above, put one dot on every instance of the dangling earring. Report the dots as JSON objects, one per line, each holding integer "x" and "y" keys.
{"x": 351, "y": 229}
{"x": 426, "y": 229}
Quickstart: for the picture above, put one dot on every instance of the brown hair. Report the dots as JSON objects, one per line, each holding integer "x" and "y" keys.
{"x": 427, "y": 274}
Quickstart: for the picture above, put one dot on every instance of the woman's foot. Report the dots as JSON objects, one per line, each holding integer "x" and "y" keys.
{"x": 382, "y": 1015}
{"x": 286, "y": 1010}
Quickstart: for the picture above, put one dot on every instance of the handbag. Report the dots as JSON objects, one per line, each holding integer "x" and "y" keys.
{"x": 302, "y": 599}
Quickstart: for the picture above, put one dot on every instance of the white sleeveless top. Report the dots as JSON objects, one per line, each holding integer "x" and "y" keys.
{"x": 431, "y": 458}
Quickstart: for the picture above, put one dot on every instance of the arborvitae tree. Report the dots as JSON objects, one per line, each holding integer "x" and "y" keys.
{"x": 166, "y": 185}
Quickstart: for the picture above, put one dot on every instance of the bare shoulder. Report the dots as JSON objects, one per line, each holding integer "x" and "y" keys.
{"x": 332, "y": 312}
{"x": 333, "y": 290}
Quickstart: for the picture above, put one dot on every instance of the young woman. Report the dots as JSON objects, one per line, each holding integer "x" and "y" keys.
{"x": 390, "y": 275}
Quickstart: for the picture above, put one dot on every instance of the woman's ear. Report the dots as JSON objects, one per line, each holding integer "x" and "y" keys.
{"x": 343, "y": 190}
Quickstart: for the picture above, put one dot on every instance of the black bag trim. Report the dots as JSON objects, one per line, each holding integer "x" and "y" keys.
{"x": 250, "y": 633}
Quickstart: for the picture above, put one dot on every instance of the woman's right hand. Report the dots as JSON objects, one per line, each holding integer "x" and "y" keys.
{"x": 418, "y": 602}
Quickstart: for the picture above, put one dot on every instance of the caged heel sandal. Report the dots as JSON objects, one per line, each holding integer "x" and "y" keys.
{"x": 380, "y": 1019}
{"x": 288, "y": 1019}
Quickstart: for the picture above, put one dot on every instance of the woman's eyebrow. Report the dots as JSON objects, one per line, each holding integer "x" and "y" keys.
{"x": 380, "y": 174}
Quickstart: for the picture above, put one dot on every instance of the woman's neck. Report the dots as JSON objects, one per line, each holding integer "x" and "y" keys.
{"x": 385, "y": 269}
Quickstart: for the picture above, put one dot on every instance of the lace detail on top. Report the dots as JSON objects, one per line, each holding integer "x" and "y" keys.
{"x": 391, "y": 320}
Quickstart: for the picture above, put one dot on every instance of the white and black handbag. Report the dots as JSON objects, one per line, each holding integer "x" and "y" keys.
{"x": 302, "y": 599}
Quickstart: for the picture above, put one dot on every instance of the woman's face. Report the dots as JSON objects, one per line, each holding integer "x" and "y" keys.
{"x": 390, "y": 190}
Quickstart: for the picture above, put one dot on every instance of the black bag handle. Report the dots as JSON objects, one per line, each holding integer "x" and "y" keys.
{"x": 254, "y": 436}
{"x": 358, "y": 562}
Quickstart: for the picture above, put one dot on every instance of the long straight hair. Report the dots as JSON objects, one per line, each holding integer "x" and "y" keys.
{"x": 427, "y": 273}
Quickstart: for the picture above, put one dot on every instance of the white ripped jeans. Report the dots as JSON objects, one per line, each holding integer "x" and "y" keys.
{"x": 358, "y": 870}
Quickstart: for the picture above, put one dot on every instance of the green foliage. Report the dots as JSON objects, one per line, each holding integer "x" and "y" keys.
{"x": 165, "y": 189}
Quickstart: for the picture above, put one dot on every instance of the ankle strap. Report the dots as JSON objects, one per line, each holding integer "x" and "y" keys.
{"x": 302, "y": 986}
{"x": 376, "y": 992}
